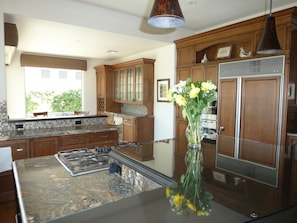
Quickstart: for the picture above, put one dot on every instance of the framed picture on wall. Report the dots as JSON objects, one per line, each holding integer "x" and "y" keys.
{"x": 162, "y": 90}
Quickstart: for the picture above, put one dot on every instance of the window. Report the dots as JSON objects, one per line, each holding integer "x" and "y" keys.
{"x": 57, "y": 91}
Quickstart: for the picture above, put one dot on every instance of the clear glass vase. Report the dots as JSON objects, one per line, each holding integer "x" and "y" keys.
{"x": 194, "y": 156}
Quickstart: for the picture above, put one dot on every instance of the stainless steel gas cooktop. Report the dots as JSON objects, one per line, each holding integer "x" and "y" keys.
{"x": 84, "y": 160}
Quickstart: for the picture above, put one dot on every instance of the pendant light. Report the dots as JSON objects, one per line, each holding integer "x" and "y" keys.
{"x": 166, "y": 14}
{"x": 269, "y": 43}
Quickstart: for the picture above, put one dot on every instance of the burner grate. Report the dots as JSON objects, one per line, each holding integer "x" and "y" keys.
{"x": 84, "y": 160}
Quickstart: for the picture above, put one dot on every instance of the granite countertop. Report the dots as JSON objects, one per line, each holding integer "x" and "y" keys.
{"x": 150, "y": 207}
{"x": 49, "y": 132}
{"x": 46, "y": 191}
{"x": 127, "y": 114}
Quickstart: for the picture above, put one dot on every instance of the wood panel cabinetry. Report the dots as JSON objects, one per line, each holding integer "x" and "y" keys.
{"x": 256, "y": 114}
{"x": 43, "y": 146}
{"x": 139, "y": 129}
{"x": 105, "y": 98}
{"x": 292, "y": 147}
{"x": 73, "y": 141}
{"x": 8, "y": 200}
{"x": 134, "y": 82}
{"x": 108, "y": 138}
{"x": 85, "y": 140}
{"x": 262, "y": 118}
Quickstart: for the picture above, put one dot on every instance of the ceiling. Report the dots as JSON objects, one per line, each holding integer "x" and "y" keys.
{"x": 52, "y": 38}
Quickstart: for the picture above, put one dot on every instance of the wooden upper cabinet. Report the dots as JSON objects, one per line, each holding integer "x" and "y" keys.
{"x": 134, "y": 83}
{"x": 186, "y": 56}
{"x": 104, "y": 83}
{"x": 205, "y": 72}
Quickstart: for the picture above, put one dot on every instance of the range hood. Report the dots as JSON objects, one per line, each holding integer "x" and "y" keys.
{"x": 11, "y": 41}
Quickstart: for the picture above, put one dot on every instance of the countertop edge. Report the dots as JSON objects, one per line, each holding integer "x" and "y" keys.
{"x": 19, "y": 193}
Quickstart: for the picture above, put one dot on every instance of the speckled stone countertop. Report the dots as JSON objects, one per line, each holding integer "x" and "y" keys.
{"x": 46, "y": 191}
{"x": 49, "y": 132}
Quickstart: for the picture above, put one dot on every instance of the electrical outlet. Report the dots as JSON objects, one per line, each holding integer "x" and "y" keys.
{"x": 219, "y": 176}
{"x": 19, "y": 126}
{"x": 77, "y": 122}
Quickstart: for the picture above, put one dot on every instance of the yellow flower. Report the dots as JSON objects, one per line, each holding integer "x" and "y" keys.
{"x": 191, "y": 205}
{"x": 169, "y": 95}
{"x": 180, "y": 100}
{"x": 167, "y": 192}
{"x": 207, "y": 86}
{"x": 178, "y": 199}
{"x": 201, "y": 213}
{"x": 194, "y": 91}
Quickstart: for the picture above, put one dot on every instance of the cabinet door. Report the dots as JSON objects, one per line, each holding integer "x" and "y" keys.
{"x": 180, "y": 148}
{"x": 226, "y": 116}
{"x": 120, "y": 85}
{"x": 257, "y": 130}
{"x": 211, "y": 73}
{"x": 129, "y": 130}
{"x": 130, "y": 84}
{"x": 183, "y": 74}
{"x": 139, "y": 85}
{"x": 43, "y": 146}
{"x": 197, "y": 73}
{"x": 117, "y": 85}
{"x": 186, "y": 56}
{"x": 259, "y": 120}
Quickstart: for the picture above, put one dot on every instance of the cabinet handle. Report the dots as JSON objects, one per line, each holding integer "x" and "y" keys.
{"x": 19, "y": 149}
{"x": 221, "y": 129}
{"x": 103, "y": 136}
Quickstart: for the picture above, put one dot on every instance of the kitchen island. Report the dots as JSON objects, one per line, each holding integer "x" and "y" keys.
{"x": 47, "y": 193}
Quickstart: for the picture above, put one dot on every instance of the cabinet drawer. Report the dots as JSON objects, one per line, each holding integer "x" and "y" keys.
{"x": 104, "y": 136}
{"x": 19, "y": 148}
{"x": 73, "y": 139}
{"x": 130, "y": 121}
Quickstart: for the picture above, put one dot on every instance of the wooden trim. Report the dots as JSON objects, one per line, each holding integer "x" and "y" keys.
{"x": 52, "y": 62}
{"x": 251, "y": 25}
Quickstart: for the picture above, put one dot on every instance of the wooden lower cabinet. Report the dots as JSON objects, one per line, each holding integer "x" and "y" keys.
{"x": 8, "y": 197}
{"x": 243, "y": 195}
{"x": 108, "y": 138}
{"x": 43, "y": 146}
{"x": 73, "y": 141}
{"x": 138, "y": 129}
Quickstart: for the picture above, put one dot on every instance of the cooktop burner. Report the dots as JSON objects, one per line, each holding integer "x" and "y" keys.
{"x": 84, "y": 160}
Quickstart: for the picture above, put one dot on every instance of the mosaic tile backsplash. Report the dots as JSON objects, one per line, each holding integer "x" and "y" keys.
{"x": 44, "y": 124}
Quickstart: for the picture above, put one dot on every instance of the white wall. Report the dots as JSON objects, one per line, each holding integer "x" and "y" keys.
{"x": 74, "y": 13}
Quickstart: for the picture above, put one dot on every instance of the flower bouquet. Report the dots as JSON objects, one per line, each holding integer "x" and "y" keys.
{"x": 189, "y": 194}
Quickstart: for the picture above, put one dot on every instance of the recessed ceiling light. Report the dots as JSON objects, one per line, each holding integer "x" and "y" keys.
{"x": 191, "y": 2}
{"x": 111, "y": 51}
